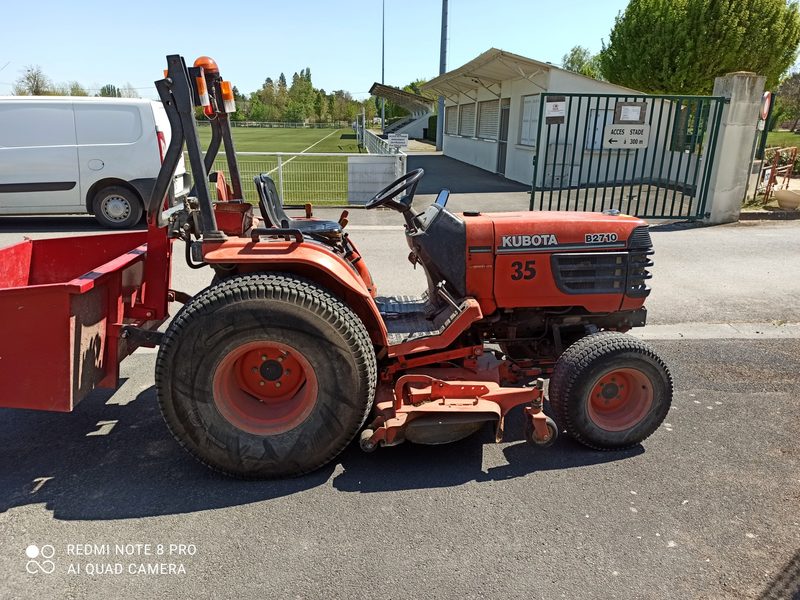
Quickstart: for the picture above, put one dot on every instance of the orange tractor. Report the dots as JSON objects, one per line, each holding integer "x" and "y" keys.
{"x": 290, "y": 353}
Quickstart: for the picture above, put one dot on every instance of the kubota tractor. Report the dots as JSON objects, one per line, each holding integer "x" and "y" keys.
{"x": 290, "y": 353}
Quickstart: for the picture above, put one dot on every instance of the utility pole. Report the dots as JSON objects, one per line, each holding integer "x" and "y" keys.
{"x": 383, "y": 66}
{"x": 442, "y": 69}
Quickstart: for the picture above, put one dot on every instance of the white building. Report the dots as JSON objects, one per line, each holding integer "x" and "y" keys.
{"x": 492, "y": 109}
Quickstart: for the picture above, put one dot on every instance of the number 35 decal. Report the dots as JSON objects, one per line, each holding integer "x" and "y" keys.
{"x": 526, "y": 271}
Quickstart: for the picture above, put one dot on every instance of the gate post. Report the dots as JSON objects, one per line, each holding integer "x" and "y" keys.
{"x": 731, "y": 169}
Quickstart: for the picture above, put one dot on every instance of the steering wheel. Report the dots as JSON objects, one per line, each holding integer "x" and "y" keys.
{"x": 406, "y": 183}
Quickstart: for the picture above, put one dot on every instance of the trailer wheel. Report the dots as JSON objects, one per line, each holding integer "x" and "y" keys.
{"x": 610, "y": 390}
{"x": 117, "y": 207}
{"x": 265, "y": 376}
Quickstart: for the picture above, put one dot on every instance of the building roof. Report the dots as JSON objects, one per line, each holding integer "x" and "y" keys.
{"x": 491, "y": 68}
{"x": 411, "y": 102}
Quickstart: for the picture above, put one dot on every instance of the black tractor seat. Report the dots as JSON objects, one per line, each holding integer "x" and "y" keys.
{"x": 271, "y": 207}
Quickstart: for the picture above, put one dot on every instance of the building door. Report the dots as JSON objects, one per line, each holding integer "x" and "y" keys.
{"x": 649, "y": 156}
{"x": 502, "y": 139}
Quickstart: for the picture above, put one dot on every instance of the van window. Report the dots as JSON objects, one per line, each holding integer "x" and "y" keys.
{"x": 36, "y": 124}
{"x": 99, "y": 124}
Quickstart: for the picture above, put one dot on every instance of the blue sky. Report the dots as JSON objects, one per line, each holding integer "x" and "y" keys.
{"x": 97, "y": 42}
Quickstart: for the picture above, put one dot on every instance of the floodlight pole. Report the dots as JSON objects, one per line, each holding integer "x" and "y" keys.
{"x": 383, "y": 65}
{"x": 442, "y": 69}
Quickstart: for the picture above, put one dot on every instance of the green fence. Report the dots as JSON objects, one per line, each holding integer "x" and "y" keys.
{"x": 649, "y": 156}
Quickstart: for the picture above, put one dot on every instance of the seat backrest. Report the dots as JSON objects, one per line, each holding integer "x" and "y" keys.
{"x": 269, "y": 202}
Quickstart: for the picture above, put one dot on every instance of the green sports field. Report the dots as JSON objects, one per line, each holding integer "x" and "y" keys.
{"x": 300, "y": 179}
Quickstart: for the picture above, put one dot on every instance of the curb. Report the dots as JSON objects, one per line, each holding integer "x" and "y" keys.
{"x": 782, "y": 215}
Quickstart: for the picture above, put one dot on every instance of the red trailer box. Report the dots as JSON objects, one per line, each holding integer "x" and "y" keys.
{"x": 62, "y": 302}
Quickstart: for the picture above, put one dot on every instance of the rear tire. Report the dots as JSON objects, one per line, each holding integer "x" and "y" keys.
{"x": 226, "y": 388}
{"x": 117, "y": 207}
{"x": 610, "y": 391}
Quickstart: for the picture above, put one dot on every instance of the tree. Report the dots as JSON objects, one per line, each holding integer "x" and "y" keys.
{"x": 789, "y": 100}
{"x": 33, "y": 82}
{"x": 76, "y": 89}
{"x": 128, "y": 91}
{"x": 581, "y": 60}
{"x": 680, "y": 46}
{"x": 109, "y": 90}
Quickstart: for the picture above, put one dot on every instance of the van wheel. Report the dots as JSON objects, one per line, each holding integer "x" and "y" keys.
{"x": 117, "y": 207}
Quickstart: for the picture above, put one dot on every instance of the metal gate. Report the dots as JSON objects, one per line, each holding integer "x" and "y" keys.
{"x": 649, "y": 156}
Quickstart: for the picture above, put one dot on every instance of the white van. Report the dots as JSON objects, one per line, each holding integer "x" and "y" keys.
{"x": 101, "y": 156}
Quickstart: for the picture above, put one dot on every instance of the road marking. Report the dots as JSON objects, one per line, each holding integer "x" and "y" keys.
{"x": 719, "y": 331}
{"x": 39, "y": 481}
{"x": 301, "y": 152}
{"x": 375, "y": 228}
{"x": 105, "y": 428}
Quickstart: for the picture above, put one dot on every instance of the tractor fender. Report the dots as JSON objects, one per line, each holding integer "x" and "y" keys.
{"x": 310, "y": 260}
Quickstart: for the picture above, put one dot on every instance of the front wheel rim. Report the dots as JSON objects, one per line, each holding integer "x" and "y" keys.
{"x": 115, "y": 208}
{"x": 265, "y": 387}
{"x": 620, "y": 399}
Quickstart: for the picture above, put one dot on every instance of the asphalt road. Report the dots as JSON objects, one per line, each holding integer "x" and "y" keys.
{"x": 708, "y": 507}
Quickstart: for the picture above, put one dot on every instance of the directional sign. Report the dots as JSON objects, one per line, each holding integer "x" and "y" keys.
{"x": 627, "y": 137}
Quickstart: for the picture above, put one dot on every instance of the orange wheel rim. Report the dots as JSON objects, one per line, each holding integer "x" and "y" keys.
{"x": 265, "y": 388}
{"x": 620, "y": 399}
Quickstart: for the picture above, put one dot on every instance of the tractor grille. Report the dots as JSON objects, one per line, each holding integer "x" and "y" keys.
{"x": 640, "y": 238}
{"x": 591, "y": 272}
{"x": 603, "y": 272}
{"x": 638, "y": 263}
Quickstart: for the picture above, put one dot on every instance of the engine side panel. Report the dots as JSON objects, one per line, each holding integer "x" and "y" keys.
{"x": 554, "y": 259}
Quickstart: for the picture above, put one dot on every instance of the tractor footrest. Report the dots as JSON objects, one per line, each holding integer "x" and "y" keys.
{"x": 418, "y": 325}
{"x": 393, "y": 307}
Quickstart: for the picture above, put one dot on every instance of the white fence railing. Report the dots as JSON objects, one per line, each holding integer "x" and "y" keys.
{"x": 377, "y": 145}
{"x": 373, "y": 143}
{"x": 283, "y": 124}
{"x": 321, "y": 178}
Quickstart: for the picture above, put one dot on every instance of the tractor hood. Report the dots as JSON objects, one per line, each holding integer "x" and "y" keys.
{"x": 594, "y": 261}
{"x": 531, "y": 232}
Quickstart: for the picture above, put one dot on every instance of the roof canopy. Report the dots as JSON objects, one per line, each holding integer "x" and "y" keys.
{"x": 487, "y": 71}
{"x": 411, "y": 102}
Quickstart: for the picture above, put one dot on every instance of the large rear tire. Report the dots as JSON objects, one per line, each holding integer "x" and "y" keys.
{"x": 265, "y": 376}
{"x": 610, "y": 391}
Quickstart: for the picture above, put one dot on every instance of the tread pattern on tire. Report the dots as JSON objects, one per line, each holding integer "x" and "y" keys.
{"x": 577, "y": 358}
{"x": 283, "y": 288}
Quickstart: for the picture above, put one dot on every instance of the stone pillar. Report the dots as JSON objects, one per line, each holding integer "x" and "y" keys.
{"x": 730, "y": 172}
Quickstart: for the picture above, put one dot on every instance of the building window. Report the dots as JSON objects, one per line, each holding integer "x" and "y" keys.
{"x": 466, "y": 120}
{"x": 530, "y": 120}
{"x": 488, "y": 119}
{"x": 451, "y": 120}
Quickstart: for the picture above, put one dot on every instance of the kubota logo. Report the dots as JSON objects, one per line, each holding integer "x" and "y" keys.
{"x": 528, "y": 241}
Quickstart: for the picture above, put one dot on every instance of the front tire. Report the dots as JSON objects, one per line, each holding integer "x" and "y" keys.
{"x": 610, "y": 390}
{"x": 117, "y": 207}
{"x": 264, "y": 376}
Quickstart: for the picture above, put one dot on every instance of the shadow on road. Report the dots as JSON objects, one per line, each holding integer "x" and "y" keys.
{"x": 137, "y": 470}
{"x": 50, "y": 224}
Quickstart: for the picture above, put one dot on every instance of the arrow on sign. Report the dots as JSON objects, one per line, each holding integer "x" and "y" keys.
{"x": 612, "y": 141}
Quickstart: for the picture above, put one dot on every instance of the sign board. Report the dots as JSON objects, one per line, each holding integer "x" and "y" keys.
{"x": 630, "y": 113}
{"x": 626, "y": 137}
{"x": 766, "y": 102}
{"x": 555, "y": 109}
{"x": 397, "y": 140}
